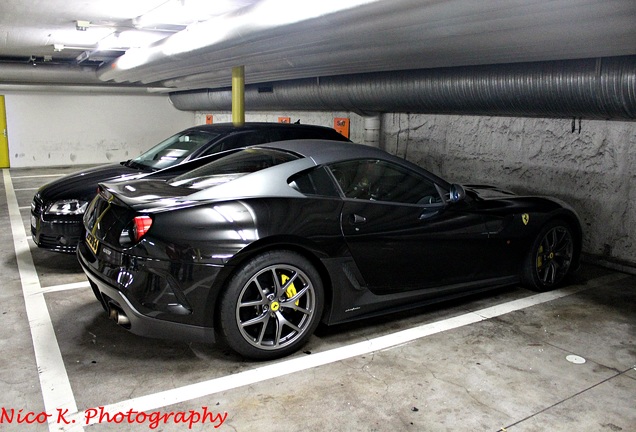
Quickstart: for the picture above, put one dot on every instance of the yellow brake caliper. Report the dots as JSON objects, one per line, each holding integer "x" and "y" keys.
{"x": 291, "y": 289}
{"x": 540, "y": 257}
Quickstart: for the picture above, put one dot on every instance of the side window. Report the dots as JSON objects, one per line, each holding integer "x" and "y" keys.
{"x": 377, "y": 180}
{"x": 314, "y": 182}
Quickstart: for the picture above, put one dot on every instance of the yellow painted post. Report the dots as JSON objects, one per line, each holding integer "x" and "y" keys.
{"x": 238, "y": 95}
{"x": 4, "y": 137}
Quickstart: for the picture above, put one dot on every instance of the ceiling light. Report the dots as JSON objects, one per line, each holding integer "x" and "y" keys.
{"x": 82, "y": 25}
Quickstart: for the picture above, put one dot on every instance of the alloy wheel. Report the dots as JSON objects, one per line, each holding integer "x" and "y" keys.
{"x": 276, "y": 307}
{"x": 554, "y": 255}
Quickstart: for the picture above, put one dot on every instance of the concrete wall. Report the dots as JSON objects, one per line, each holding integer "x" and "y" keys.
{"x": 59, "y": 129}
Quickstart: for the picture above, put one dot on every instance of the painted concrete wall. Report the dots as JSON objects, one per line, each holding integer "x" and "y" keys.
{"x": 60, "y": 129}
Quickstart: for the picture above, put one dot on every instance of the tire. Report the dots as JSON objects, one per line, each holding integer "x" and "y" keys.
{"x": 550, "y": 259}
{"x": 271, "y": 305}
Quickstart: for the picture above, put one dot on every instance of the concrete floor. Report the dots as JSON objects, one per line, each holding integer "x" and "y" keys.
{"x": 493, "y": 362}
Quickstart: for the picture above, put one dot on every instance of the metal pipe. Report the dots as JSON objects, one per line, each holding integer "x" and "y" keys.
{"x": 591, "y": 88}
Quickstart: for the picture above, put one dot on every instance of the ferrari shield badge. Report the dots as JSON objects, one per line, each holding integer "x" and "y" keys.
{"x": 525, "y": 218}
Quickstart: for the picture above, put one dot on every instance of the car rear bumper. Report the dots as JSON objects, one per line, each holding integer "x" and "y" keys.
{"x": 127, "y": 314}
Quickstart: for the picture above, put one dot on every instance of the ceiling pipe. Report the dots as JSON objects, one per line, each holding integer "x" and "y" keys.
{"x": 42, "y": 77}
{"x": 42, "y": 73}
{"x": 603, "y": 88}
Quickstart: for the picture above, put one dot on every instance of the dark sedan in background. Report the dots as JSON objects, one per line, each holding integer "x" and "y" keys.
{"x": 58, "y": 207}
{"x": 259, "y": 245}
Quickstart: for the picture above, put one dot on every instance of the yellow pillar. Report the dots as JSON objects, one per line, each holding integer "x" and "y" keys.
{"x": 4, "y": 139}
{"x": 238, "y": 95}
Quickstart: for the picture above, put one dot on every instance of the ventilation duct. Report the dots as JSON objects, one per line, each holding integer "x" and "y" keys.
{"x": 603, "y": 88}
{"x": 57, "y": 77}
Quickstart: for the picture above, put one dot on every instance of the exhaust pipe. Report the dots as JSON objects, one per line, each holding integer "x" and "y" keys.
{"x": 118, "y": 316}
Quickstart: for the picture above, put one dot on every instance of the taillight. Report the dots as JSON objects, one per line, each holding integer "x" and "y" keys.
{"x": 141, "y": 225}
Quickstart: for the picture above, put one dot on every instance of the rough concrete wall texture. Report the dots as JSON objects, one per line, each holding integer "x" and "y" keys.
{"x": 592, "y": 169}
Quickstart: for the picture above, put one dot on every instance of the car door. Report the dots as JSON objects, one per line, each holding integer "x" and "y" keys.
{"x": 401, "y": 233}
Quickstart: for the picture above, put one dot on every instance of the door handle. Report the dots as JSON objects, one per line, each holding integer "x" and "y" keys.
{"x": 356, "y": 219}
{"x": 426, "y": 214}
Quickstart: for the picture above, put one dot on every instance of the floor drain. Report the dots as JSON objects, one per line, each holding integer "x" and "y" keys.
{"x": 575, "y": 359}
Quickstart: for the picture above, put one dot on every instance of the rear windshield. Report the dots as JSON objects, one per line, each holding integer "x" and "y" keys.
{"x": 231, "y": 167}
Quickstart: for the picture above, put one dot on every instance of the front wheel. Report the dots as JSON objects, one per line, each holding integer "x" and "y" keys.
{"x": 271, "y": 305}
{"x": 550, "y": 258}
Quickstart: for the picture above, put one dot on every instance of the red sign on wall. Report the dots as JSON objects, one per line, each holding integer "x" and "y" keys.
{"x": 341, "y": 125}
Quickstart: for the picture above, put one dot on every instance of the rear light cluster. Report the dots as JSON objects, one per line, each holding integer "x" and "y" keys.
{"x": 141, "y": 225}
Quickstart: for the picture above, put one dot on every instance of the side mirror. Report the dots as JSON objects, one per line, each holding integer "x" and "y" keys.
{"x": 457, "y": 193}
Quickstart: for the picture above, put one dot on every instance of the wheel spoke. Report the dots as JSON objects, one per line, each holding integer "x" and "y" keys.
{"x": 282, "y": 321}
{"x": 298, "y": 294}
{"x": 263, "y": 330}
{"x": 253, "y": 303}
{"x": 278, "y": 289}
{"x": 290, "y": 304}
{"x": 256, "y": 320}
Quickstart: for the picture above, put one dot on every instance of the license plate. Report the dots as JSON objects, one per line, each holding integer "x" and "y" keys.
{"x": 92, "y": 242}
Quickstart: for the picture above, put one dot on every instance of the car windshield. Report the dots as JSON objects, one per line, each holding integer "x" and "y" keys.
{"x": 231, "y": 167}
{"x": 173, "y": 150}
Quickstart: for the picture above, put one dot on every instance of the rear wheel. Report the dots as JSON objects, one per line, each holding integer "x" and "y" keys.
{"x": 271, "y": 306}
{"x": 550, "y": 258}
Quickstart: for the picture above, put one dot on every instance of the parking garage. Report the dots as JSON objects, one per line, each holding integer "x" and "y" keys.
{"x": 537, "y": 98}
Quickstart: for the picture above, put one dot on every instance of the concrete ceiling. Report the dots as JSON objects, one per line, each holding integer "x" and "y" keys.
{"x": 55, "y": 42}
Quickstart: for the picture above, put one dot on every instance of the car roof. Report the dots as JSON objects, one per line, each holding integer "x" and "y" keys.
{"x": 231, "y": 127}
{"x": 325, "y": 151}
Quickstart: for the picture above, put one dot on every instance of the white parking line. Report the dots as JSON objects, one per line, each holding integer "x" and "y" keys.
{"x": 54, "y": 382}
{"x": 38, "y": 176}
{"x": 66, "y": 287}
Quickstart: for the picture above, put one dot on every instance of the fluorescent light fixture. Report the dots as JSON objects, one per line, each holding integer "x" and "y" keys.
{"x": 68, "y": 38}
{"x": 129, "y": 39}
{"x": 263, "y": 15}
{"x": 266, "y": 14}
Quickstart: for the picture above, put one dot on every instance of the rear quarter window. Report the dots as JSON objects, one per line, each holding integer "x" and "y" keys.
{"x": 316, "y": 182}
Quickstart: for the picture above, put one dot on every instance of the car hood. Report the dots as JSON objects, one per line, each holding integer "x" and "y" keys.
{"x": 83, "y": 184}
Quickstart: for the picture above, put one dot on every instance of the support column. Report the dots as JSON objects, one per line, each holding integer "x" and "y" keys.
{"x": 238, "y": 95}
{"x": 372, "y": 130}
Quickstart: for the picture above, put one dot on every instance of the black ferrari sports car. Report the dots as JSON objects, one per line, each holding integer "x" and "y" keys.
{"x": 58, "y": 207}
{"x": 259, "y": 245}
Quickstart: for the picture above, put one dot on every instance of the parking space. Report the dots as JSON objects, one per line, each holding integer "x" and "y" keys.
{"x": 507, "y": 360}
